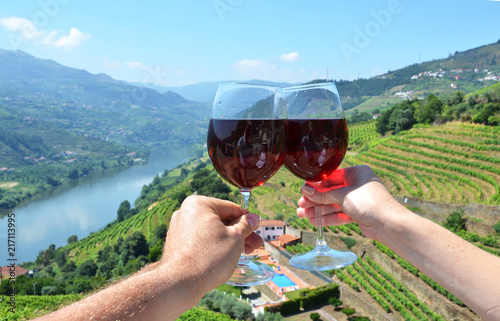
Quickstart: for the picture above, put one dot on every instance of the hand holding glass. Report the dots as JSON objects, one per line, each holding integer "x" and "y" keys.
{"x": 246, "y": 143}
{"x": 317, "y": 139}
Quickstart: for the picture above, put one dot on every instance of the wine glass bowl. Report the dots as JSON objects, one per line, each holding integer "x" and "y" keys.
{"x": 317, "y": 139}
{"x": 247, "y": 144}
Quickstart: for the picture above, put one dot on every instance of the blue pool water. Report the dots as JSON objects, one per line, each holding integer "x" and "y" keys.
{"x": 282, "y": 281}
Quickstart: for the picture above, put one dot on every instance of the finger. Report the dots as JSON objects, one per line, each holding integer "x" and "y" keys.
{"x": 325, "y": 209}
{"x": 252, "y": 242}
{"x": 333, "y": 219}
{"x": 330, "y": 196}
{"x": 226, "y": 210}
{"x": 304, "y": 202}
{"x": 245, "y": 224}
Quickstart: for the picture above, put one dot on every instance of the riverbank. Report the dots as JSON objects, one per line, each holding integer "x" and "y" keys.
{"x": 83, "y": 206}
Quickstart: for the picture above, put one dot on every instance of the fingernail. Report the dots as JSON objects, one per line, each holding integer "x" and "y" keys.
{"x": 253, "y": 220}
{"x": 308, "y": 190}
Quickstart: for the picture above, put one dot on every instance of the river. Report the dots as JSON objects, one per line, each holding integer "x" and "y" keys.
{"x": 79, "y": 208}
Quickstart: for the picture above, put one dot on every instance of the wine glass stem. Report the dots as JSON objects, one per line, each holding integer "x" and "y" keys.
{"x": 245, "y": 197}
{"x": 320, "y": 241}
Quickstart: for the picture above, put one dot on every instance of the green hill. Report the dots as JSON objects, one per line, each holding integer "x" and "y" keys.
{"x": 59, "y": 123}
{"x": 437, "y": 170}
{"x": 445, "y": 159}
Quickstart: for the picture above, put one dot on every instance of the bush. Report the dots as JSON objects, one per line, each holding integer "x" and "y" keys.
{"x": 87, "y": 268}
{"x": 268, "y": 316}
{"x": 227, "y": 304}
{"x": 155, "y": 252}
{"x": 69, "y": 267}
{"x": 290, "y": 307}
{"x": 314, "y": 316}
{"x": 348, "y": 312}
{"x": 335, "y": 301}
{"x": 49, "y": 290}
{"x": 497, "y": 227}
{"x": 455, "y": 221}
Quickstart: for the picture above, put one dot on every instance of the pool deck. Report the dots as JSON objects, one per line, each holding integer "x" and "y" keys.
{"x": 280, "y": 269}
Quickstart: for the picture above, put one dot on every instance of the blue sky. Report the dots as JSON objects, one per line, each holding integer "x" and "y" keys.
{"x": 175, "y": 43}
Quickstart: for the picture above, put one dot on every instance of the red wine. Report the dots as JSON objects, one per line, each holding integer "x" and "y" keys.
{"x": 246, "y": 152}
{"x": 315, "y": 147}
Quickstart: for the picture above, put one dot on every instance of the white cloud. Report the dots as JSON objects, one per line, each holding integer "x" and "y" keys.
{"x": 28, "y": 31}
{"x": 23, "y": 27}
{"x": 74, "y": 39}
{"x": 290, "y": 57}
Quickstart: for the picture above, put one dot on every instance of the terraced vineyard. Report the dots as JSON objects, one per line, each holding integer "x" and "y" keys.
{"x": 362, "y": 133}
{"x": 452, "y": 163}
{"x": 145, "y": 222}
{"x": 390, "y": 293}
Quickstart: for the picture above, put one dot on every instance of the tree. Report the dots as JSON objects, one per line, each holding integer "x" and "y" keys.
{"x": 155, "y": 252}
{"x": 123, "y": 210}
{"x": 60, "y": 257}
{"x": 52, "y": 182}
{"x": 348, "y": 312}
{"x": 206, "y": 182}
{"x": 242, "y": 310}
{"x": 383, "y": 121}
{"x": 69, "y": 266}
{"x": 279, "y": 216}
{"x": 46, "y": 256}
{"x": 161, "y": 231}
{"x": 87, "y": 268}
{"x": 405, "y": 120}
{"x": 72, "y": 239}
{"x": 427, "y": 111}
{"x": 104, "y": 254}
{"x": 80, "y": 285}
{"x": 73, "y": 174}
{"x": 133, "y": 246}
{"x": 456, "y": 221}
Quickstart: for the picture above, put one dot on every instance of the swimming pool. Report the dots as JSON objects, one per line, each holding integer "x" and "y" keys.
{"x": 282, "y": 281}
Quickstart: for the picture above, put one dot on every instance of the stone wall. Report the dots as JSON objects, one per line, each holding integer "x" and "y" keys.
{"x": 486, "y": 215}
{"x": 293, "y": 231}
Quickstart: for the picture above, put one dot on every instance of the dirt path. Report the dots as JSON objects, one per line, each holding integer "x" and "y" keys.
{"x": 8, "y": 184}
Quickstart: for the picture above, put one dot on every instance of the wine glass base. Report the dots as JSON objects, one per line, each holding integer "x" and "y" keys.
{"x": 323, "y": 258}
{"x": 250, "y": 273}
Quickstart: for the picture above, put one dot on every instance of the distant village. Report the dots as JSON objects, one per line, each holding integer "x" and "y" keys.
{"x": 454, "y": 74}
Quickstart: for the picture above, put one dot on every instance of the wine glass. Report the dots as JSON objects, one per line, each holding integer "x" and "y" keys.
{"x": 317, "y": 139}
{"x": 247, "y": 145}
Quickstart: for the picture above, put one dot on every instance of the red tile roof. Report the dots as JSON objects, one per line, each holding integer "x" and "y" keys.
{"x": 272, "y": 223}
{"x": 287, "y": 238}
{"x": 18, "y": 270}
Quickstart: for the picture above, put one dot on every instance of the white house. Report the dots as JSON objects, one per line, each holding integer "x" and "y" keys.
{"x": 270, "y": 230}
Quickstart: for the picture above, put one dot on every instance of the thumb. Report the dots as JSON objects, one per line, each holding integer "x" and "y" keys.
{"x": 246, "y": 224}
